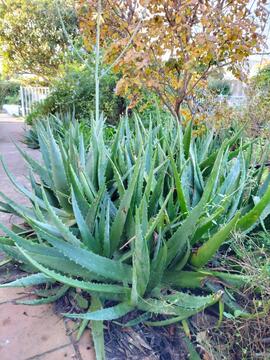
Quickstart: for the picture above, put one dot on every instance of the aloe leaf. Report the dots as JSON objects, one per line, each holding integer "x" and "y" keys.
{"x": 94, "y": 263}
{"x": 205, "y": 225}
{"x": 46, "y": 255}
{"x": 58, "y": 171}
{"x": 61, "y": 292}
{"x": 237, "y": 194}
{"x": 95, "y": 287}
{"x": 191, "y": 302}
{"x": 264, "y": 186}
{"x": 198, "y": 178}
{"x": 44, "y": 147}
{"x": 14, "y": 208}
{"x": 93, "y": 209}
{"x": 185, "y": 279}
{"x": 193, "y": 355}
{"x": 139, "y": 319}
{"x": 13, "y": 252}
{"x": 155, "y": 198}
{"x": 66, "y": 233}
{"x": 100, "y": 265}
{"x": 97, "y": 329}
{"x": 121, "y": 216}
{"x": 227, "y": 299}
{"x": 106, "y": 238}
{"x": 184, "y": 305}
{"x": 77, "y": 187}
{"x": 88, "y": 239}
{"x": 150, "y": 177}
{"x": 159, "y": 217}
{"x": 205, "y": 148}
{"x": 87, "y": 187}
{"x": 180, "y": 238}
{"x": 6, "y": 208}
{"x": 6, "y": 241}
{"x": 212, "y": 158}
{"x": 232, "y": 279}
{"x": 110, "y": 313}
{"x": 179, "y": 188}
{"x": 140, "y": 264}
{"x": 187, "y": 139}
{"x": 262, "y": 168}
{"x": 30, "y": 195}
{"x": 118, "y": 179}
{"x": 234, "y": 153}
{"x": 249, "y": 219}
{"x": 210, "y": 247}
{"x": 114, "y": 147}
{"x": 184, "y": 260}
{"x": 158, "y": 265}
{"x": 44, "y": 173}
{"x": 178, "y": 241}
{"x": 154, "y": 224}
{"x": 30, "y": 280}
{"x": 196, "y": 279}
{"x": 83, "y": 326}
{"x": 5, "y": 261}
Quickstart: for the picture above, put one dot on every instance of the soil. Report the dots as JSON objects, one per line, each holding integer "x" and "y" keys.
{"x": 144, "y": 342}
{"x": 139, "y": 342}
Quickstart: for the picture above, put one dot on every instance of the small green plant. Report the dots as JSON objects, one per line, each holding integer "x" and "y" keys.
{"x": 134, "y": 221}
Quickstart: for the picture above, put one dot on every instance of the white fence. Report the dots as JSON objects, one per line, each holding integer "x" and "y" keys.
{"x": 233, "y": 100}
{"x": 31, "y": 95}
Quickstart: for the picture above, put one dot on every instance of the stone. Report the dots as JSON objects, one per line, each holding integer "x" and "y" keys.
{"x": 27, "y": 331}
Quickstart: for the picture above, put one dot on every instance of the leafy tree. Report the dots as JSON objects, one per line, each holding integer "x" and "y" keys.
{"x": 262, "y": 79}
{"x": 32, "y": 39}
{"x": 170, "y": 46}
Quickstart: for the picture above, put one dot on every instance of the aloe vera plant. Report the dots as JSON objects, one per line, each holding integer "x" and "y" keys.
{"x": 134, "y": 220}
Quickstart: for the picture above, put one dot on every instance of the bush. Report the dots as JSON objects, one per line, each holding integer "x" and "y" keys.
{"x": 75, "y": 93}
{"x": 262, "y": 79}
{"x": 9, "y": 92}
{"x": 135, "y": 221}
{"x": 219, "y": 87}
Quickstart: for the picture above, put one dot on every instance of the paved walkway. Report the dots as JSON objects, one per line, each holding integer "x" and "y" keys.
{"x": 30, "y": 332}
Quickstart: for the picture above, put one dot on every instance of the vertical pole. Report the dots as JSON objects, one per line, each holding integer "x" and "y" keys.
{"x": 22, "y": 101}
{"x": 97, "y": 59}
{"x": 26, "y": 100}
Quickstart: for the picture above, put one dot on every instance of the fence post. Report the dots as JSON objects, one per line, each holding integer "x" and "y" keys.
{"x": 31, "y": 95}
{"x": 22, "y": 101}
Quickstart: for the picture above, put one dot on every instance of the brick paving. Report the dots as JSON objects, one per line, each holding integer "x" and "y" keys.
{"x": 30, "y": 332}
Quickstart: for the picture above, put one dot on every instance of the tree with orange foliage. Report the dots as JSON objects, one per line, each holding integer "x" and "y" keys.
{"x": 171, "y": 46}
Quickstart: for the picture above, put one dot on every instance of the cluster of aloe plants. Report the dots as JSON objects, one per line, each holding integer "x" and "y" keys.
{"x": 60, "y": 126}
{"x": 135, "y": 220}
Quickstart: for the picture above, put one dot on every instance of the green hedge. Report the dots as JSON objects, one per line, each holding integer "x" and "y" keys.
{"x": 75, "y": 92}
{"x": 9, "y": 92}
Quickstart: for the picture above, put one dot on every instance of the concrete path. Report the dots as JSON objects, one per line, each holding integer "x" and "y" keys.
{"x": 30, "y": 332}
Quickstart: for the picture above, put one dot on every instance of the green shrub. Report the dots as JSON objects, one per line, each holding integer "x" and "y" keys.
{"x": 219, "y": 87}
{"x": 134, "y": 221}
{"x": 9, "y": 92}
{"x": 75, "y": 92}
{"x": 262, "y": 79}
